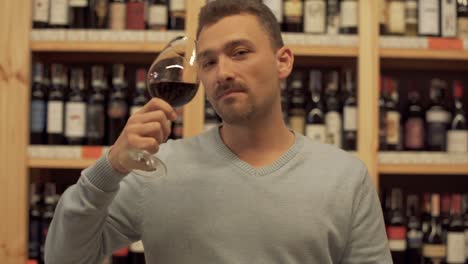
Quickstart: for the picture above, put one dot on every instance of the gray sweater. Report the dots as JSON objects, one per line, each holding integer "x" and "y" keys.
{"x": 315, "y": 204}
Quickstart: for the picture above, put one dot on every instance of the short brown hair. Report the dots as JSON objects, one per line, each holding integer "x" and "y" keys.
{"x": 218, "y": 9}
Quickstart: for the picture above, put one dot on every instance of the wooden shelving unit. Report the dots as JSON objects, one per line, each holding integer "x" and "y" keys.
{"x": 94, "y": 46}
{"x": 424, "y": 169}
{"x": 35, "y": 163}
{"x": 424, "y": 54}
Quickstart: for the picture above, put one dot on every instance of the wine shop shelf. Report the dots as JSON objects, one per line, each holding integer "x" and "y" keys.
{"x": 322, "y": 45}
{"x": 66, "y": 157}
{"x": 36, "y": 163}
{"x": 423, "y": 163}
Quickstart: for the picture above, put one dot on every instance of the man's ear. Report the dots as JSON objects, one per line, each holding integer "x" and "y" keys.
{"x": 285, "y": 62}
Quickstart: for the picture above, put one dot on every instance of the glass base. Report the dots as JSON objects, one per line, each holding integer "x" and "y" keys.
{"x": 143, "y": 163}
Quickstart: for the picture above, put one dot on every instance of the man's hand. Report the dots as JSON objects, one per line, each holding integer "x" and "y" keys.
{"x": 145, "y": 130}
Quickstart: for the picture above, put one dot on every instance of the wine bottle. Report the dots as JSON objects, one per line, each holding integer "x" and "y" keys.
{"x": 411, "y": 17}
{"x": 41, "y": 13}
{"x": 95, "y": 109}
{"x": 465, "y": 222}
{"x": 383, "y": 97}
{"x": 462, "y": 18}
{"x": 285, "y": 101}
{"x": 177, "y": 14}
{"x": 297, "y": 105}
{"x": 136, "y": 253}
{"x": 333, "y": 17}
{"x": 426, "y": 213}
{"x": 414, "y": 235}
{"x": 448, "y": 19}
{"x": 396, "y": 228}
{"x": 315, "y": 16}
{"x": 276, "y": 7}
{"x": 117, "y": 108}
{"x": 445, "y": 216}
{"x": 38, "y": 114}
{"x": 59, "y": 14}
{"x": 434, "y": 249}
{"x": 437, "y": 117}
{"x": 315, "y": 128}
{"x": 75, "y": 109}
{"x": 140, "y": 97}
{"x": 79, "y": 12}
{"x": 396, "y": 17}
{"x": 333, "y": 118}
{"x": 34, "y": 239}
{"x": 55, "y": 109}
{"x": 120, "y": 256}
{"x": 118, "y": 12}
{"x": 349, "y": 17}
{"x": 158, "y": 15}
{"x": 456, "y": 236}
{"x": 98, "y": 14}
{"x": 429, "y": 18}
{"x": 293, "y": 16}
{"x": 50, "y": 202}
{"x": 393, "y": 117}
{"x": 457, "y": 135}
{"x": 414, "y": 121}
{"x": 135, "y": 14}
{"x": 383, "y": 17}
{"x": 350, "y": 113}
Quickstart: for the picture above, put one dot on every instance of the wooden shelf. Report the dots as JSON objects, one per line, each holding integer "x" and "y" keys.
{"x": 323, "y": 51}
{"x": 423, "y": 54}
{"x": 424, "y": 169}
{"x": 77, "y": 46}
{"x": 60, "y": 163}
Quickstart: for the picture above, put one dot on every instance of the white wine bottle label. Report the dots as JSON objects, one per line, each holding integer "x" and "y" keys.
{"x": 78, "y": 3}
{"x": 429, "y": 17}
{"x": 118, "y": 14}
{"x": 137, "y": 247}
{"x": 333, "y": 128}
{"x": 434, "y": 251}
{"x": 276, "y": 8}
{"x": 59, "y": 12}
{"x": 54, "y": 117}
{"x": 350, "y": 118}
{"x": 41, "y": 11}
{"x": 349, "y": 14}
{"x": 449, "y": 18}
{"x": 293, "y": 11}
{"x": 158, "y": 15}
{"x": 455, "y": 247}
{"x": 297, "y": 123}
{"x": 393, "y": 127}
{"x": 314, "y": 16}
{"x": 396, "y": 238}
{"x": 457, "y": 141}
{"x": 396, "y": 19}
{"x": 437, "y": 116}
{"x": 75, "y": 119}
{"x": 316, "y": 132}
{"x": 177, "y": 5}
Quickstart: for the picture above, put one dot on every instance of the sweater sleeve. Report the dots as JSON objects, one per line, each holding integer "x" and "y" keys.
{"x": 98, "y": 215}
{"x": 367, "y": 242}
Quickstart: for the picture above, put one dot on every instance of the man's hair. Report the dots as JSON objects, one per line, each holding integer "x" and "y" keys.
{"x": 216, "y": 10}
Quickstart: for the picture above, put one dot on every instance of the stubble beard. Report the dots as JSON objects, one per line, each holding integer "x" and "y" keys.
{"x": 238, "y": 112}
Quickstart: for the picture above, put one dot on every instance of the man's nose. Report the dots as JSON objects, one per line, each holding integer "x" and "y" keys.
{"x": 224, "y": 71}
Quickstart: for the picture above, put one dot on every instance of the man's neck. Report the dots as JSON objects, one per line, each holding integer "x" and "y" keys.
{"x": 258, "y": 144}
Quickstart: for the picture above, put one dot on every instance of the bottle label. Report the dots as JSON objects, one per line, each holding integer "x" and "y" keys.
{"x": 414, "y": 133}
{"x": 463, "y": 27}
{"x": 349, "y": 14}
{"x": 41, "y": 11}
{"x": 411, "y": 12}
{"x": 333, "y": 128}
{"x": 158, "y": 15}
{"x": 54, "y": 117}
{"x": 316, "y": 132}
{"x": 78, "y": 3}
{"x": 134, "y": 109}
{"x": 117, "y": 109}
{"x": 38, "y": 116}
{"x": 350, "y": 118}
{"x": 276, "y": 8}
{"x": 59, "y": 12}
{"x": 75, "y": 124}
{"x": 393, "y": 127}
{"x": 396, "y": 238}
{"x": 457, "y": 141}
{"x": 177, "y": 5}
{"x": 449, "y": 18}
{"x": 293, "y": 11}
{"x": 438, "y": 116}
{"x": 396, "y": 19}
{"x": 297, "y": 123}
{"x": 434, "y": 251}
{"x": 95, "y": 121}
{"x": 429, "y": 17}
{"x": 123, "y": 252}
{"x": 137, "y": 247}
{"x": 101, "y": 11}
{"x": 415, "y": 239}
{"x": 455, "y": 247}
{"x": 117, "y": 16}
{"x": 136, "y": 15}
{"x": 314, "y": 16}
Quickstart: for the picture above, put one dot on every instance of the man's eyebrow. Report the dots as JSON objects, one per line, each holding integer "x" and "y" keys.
{"x": 231, "y": 44}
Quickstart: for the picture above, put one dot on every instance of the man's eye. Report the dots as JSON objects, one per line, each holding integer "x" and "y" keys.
{"x": 208, "y": 63}
{"x": 240, "y": 53}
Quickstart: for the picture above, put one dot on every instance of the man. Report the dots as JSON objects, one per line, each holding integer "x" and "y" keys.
{"x": 250, "y": 191}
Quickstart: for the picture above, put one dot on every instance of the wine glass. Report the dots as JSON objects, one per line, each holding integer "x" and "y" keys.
{"x": 173, "y": 78}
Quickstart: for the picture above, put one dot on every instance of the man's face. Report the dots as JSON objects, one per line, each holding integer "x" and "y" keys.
{"x": 238, "y": 68}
